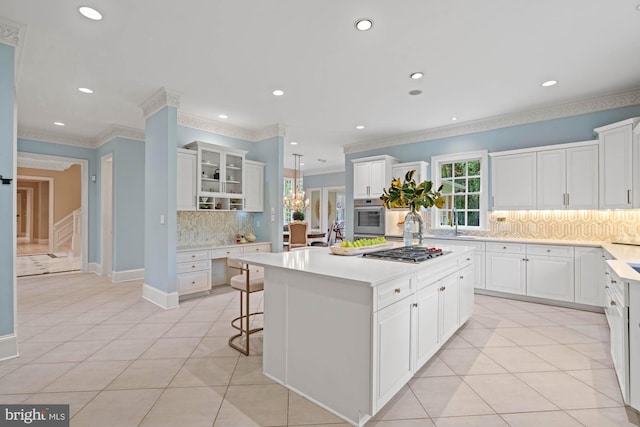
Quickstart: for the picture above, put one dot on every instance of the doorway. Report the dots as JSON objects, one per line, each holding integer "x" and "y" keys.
{"x": 106, "y": 228}
{"x": 326, "y": 208}
{"x": 35, "y": 201}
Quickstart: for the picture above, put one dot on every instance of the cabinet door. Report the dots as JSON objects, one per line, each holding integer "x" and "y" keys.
{"x": 551, "y": 179}
{"x": 449, "y": 306}
{"x": 479, "y": 262}
{"x": 232, "y": 173}
{"x": 550, "y": 277}
{"x": 589, "y": 275}
{"x": 361, "y": 178}
{"x": 393, "y": 329}
{"x": 616, "y": 168}
{"x": 186, "y": 181}
{"x": 377, "y": 178}
{"x": 426, "y": 322}
{"x": 514, "y": 181}
{"x": 634, "y": 346}
{"x": 582, "y": 177}
{"x": 466, "y": 296}
{"x": 506, "y": 273}
{"x": 253, "y": 187}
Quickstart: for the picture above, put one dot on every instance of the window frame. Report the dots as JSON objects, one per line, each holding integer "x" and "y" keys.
{"x": 437, "y": 161}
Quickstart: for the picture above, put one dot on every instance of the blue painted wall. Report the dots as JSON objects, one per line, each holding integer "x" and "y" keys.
{"x": 187, "y": 135}
{"x": 160, "y": 199}
{"x": 335, "y": 179}
{"x": 558, "y": 131}
{"x": 7, "y": 170}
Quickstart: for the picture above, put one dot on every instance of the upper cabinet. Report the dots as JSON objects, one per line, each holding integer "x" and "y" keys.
{"x": 371, "y": 175}
{"x": 513, "y": 184}
{"x": 568, "y": 178}
{"x": 220, "y": 176}
{"x": 399, "y": 170}
{"x": 254, "y": 186}
{"x": 186, "y": 186}
{"x": 616, "y": 165}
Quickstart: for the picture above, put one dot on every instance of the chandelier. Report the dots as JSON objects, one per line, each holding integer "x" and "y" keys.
{"x": 295, "y": 199}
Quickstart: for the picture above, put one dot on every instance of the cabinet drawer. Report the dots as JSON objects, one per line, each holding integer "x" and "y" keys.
{"x": 392, "y": 291}
{"x": 615, "y": 287}
{"x": 432, "y": 273}
{"x": 193, "y": 282}
{"x": 562, "y": 251}
{"x": 192, "y": 256}
{"x": 227, "y": 252}
{"x": 186, "y": 267}
{"x": 514, "y": 248}
{"x": 257, "y": 248}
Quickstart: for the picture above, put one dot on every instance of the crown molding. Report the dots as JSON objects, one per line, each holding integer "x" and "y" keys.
{"x": 323, "y": 171}
{"x": 12, "y": 33}
{"x": 48, "y": 164}
{"x": 269, "y": 132}
{"x": 117, "y": 131}
{"x": 54, "y": 137}
{"x": 213, "y": 126}
{"x": 574, "y": 108}
{"x": 163, "y": 97}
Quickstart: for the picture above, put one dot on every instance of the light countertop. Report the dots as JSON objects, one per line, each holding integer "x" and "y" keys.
{"x": 320, "y": 261}
{"x": 206, "y": 247}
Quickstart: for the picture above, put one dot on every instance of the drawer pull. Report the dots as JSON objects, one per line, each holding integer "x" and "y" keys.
{"x": 468, "y": 259}
{"x": 504, "y": 247}
{"x": 193, "y": 256}
{"x": 415, "y": 304}
{"x": 193, "y": 266}
{"x": 613, "y": 281}
{"x": 548, "y": 250}
{"x": 397, "y": 290}
{"x": 613, "y": 302}
{"x": 193, "y": 282}
{"x": 443, "y": 288}
{"x": 606, "y": 286}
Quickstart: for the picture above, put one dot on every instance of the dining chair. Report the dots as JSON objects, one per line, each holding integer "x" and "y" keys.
{"x": 297, "y": 234}
{"x": 250, "y": 280}
{"x": 329, "y": 238}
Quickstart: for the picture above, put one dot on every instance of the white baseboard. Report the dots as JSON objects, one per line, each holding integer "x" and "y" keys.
{"x": 94, "y": 267}
{"x": 160, "y": 298}
{"x": 8, "y": 347}
{"x": 42, "y": 241}
{"x": 127, "y": 275}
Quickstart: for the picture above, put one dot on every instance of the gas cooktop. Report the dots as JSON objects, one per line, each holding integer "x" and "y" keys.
{"x": 407, "y": 254}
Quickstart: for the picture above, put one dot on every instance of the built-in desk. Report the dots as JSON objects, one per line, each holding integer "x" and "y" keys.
{"x": 201, "y": 267}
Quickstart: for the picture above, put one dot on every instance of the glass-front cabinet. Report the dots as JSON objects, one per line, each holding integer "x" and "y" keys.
{"x": 220, "y": 177}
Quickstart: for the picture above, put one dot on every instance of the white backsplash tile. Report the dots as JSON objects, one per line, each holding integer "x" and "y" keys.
{"x": 212, "y": 228}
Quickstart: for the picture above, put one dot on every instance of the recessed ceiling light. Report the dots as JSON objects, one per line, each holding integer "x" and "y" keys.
{"x": 415, "y": 92}
{"x": 301, "y": 164}
{"x": 89, "y": 12}
{"x": 364, "y": 24}
{"x": 359, "y": 127}
{"x": 549, "y": 83}
{"x": 453, "y": 119}
{"x": 58, "y": 123}
{"x": 223, "y": 116}
{"x": 85, "y": 90}
{"x": 293, "y": 143}
{"x": 278, "y": 92}
{"x": 638, "y": 7}
{"x": 417, "y": 75}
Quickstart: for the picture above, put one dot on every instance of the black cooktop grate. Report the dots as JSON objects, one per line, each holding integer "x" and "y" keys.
{"x": 406, "y": 254}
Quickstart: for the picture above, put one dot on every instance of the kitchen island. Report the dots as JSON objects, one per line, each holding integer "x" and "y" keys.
{"x": 349, "y": 332}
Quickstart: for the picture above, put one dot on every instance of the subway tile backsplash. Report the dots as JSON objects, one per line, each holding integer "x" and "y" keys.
{"x": 212, "y": 228}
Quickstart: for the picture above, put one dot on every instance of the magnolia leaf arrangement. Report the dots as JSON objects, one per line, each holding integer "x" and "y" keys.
{"x": 409, "y": 194}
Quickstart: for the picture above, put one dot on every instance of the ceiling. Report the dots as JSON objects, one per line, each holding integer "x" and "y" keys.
{"x": 480, "y": 59}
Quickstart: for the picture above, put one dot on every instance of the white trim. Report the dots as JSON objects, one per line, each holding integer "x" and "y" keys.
{"x": 42, "y": 241}
{"x": 484, "y": 186}
{"x": 116, "y": 131}
{"x": 106, "y": 190}
{"x": 84, "y": 199}
{"x": 29, "y": 209}
{"x": 569, "y": 109}
{"x": 632, "y": 121}
{"x": 225, "y": 129}
{"x": 94, "y": 267}
{"x": 160, "y": 298}
{"x": 163, "y": 97}
{"x": 53, "y": 137}
{"x": 7, "y": 352}
{"x": 8, "y": 346}
{"x": 14, "y": 34}
{"x": 127, "y": 275}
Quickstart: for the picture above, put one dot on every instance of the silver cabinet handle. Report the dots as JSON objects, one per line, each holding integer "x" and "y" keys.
{"x": 629, "y": 196}
{"x": 415, "y": 304}
{"x": 397, "y": 290}
{"x": 613, "y": 302}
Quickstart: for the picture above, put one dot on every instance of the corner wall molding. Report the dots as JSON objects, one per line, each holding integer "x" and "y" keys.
{"x": 117, "y": 131}
{"x": 160, "y": 298}
{"x": 127, "y": 275}
{"x": 225, "y": 129}
{"x": 575, "y": 108}
{"x": 322, "y": 171}
{"x": 163, "y": 97}
{"x": 54, "y": 137}
{"x": 12, "y": 33}
{"x": 24, "y": 161}
{"x": 269, "y": 132}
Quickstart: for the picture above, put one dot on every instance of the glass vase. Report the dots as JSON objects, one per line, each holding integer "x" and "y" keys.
{"x": 413, "y": 229}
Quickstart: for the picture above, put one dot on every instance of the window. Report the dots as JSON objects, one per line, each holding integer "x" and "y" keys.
{"x": 464, "y": 186}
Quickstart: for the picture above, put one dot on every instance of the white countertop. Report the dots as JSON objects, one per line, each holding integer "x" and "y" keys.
{"x": 586, "y": 243}
{"x": 206, "y": 247}
{"x": 624, "y": 254}
{"x": 320, "y": 261}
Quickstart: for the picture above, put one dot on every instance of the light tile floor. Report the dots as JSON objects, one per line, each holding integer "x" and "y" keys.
{"x": 120, "y": 361}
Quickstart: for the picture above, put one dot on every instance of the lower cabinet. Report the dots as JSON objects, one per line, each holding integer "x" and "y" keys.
{"x": 589, "y": 274}
{"x": 506, "y": 272}
{"x": 617, "y": 311}
{"x": 427, "y": 323}
{"x": 465, "y": 288}
{"x": 193, "y": 272}
{"x": 550, "y": 277}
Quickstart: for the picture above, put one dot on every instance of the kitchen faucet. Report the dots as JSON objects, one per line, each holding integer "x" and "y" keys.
{"x": 454, "y": 213}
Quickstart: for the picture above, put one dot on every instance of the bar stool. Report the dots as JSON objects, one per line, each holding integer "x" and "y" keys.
{"x": 250, "y": 280}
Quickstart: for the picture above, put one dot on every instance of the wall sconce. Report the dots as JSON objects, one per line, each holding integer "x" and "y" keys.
{"x": 5, "y": 181}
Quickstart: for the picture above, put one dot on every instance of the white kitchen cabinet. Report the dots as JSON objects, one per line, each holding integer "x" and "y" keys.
{"x": 478, "y": 255}
{"x": 465, "y": 289}
{"x": 393, "y": 330}
{"x": 371, "y": 175}
{"x": 254, "y": 186}
{"x": 616, "y": 309}
{"x": 589, "y": 276}
{"x": 568, "y": 178}
{"x": 427, "y": 323}
{"x": 513, "y": 184}
{"x": 634, "y": 345}
{"x": 616, "y": 164}
{"x": 506, "y": 268}
{"x": 550, "y": 272}
{"x": 449, "y": 307}
{"x": 399, "y": 170}
{"x": 193, "y": 272}
{"x": 220, "y": 176}
{"x": 186, "y": 185}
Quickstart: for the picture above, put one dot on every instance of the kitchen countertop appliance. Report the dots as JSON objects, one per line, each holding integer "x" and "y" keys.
{"x": 368, "y": 218}
{"x": 412, "y": 254}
